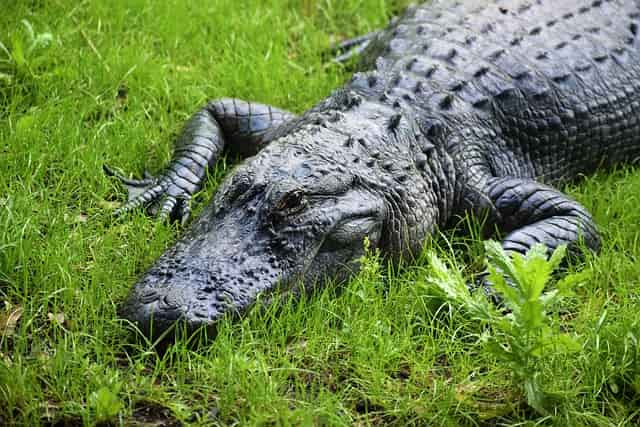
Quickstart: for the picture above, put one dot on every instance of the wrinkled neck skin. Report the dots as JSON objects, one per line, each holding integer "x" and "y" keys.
{"x": 299, "y": 212}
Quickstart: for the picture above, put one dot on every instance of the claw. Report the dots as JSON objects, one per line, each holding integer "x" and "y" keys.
{"x": 167, "y": 209}
{"x": 135, "y": 187}
{"x": 162, "y": 197}
{"x": 185, "y": 210}
{"x": 140, "y": 200}
{"x": 148, "y": 180}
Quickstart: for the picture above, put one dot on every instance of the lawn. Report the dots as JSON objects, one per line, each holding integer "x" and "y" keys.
{"x": 88, "y": 82}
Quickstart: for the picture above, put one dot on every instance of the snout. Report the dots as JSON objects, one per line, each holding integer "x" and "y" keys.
{"x": 194, "y": 297}
{"x": 156, "y": 309}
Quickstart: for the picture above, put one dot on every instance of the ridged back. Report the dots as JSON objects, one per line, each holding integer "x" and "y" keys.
{"x": 559, "y": 81}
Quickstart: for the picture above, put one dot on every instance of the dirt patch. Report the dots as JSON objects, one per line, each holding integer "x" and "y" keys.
{"x": 152, "y": 414}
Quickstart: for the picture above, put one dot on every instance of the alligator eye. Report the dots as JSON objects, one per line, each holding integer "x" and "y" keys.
{"x": 292, "y": 202}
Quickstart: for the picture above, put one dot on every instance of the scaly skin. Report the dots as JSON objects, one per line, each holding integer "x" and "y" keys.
{"x": 460, "y": 107}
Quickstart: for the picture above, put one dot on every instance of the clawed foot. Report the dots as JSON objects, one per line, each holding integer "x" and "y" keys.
{"x": 163, "y": 196}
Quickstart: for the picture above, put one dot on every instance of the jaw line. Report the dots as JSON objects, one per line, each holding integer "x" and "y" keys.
{"x": 290, "y": 288}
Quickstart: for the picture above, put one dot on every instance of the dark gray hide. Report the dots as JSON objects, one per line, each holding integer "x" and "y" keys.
{"x": 460, "y": 107}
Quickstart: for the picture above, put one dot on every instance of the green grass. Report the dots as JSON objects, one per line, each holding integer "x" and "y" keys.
{"x": 114, "y": 84}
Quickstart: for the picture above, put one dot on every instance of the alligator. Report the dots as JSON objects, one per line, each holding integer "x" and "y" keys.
{"x": 458, "y": 107}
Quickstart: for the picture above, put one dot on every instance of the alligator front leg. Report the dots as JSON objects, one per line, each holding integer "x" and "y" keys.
{"x": 530, "y": 213}
{"x": 239, "y": 126}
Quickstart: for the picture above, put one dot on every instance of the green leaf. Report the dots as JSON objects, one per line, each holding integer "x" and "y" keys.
{"x": 511, "y": 295}
{"x": 451, "y": 283}
{"x": 497, "y": 350}
{"x": 480, "y": 308}
{"x": 535, "y": 395}
{"x": 17, "y": 50}
{"x": 532, "y": 315}
{"x": 105, "y": 404}
{"x": 557, "y": 256}
{"x": 455, "y": 288}
{"x": 568, "y": 283}
{"x": 538, "y": 250}
{"x": 536, "y": 272}
{"x": 550, "y": 297}
{"x": 565, "y": 343}
{"x": 497, "y": 255}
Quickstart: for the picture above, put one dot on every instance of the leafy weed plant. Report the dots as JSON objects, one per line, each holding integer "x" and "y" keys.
{"x": 526, "y": 333}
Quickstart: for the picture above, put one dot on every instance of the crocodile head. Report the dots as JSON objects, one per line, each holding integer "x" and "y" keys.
{"x": 282, "y": 221}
